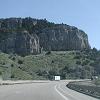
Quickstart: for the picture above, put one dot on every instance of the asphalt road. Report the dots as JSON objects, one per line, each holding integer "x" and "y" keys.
{"x": 50, "y": 90}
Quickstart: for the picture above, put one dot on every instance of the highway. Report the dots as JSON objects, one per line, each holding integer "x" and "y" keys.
{"x": 47, "y": 90}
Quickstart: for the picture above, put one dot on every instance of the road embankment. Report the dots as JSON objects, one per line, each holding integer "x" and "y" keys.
{"x": 86, "y": 87}
{"x": 9, "y": 82}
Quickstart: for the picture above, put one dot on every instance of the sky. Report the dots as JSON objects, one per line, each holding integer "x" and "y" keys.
{"x": 84, "y": 14}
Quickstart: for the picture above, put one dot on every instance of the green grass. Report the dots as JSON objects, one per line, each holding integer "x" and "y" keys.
{"x": 8, "y": 67}
{"x": 45, "y": 66}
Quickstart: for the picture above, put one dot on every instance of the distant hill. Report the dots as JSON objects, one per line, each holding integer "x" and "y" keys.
{"x": 24, "y": 36}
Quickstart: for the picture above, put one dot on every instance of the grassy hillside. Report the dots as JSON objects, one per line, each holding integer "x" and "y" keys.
{"x": 9, "y": 68}
{"x": 68, "y": 64}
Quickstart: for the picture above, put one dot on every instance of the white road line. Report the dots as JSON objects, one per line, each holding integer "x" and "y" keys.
{"x": 60, "y": 93}
{"x": 59, "y": 86}
{"x": 64, "y": 91}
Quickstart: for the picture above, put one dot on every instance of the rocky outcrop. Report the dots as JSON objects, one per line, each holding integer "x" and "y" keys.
{"x": 27, "y": 36}
{"x": 20, "y": 43}
{"x": 62, "y": 38}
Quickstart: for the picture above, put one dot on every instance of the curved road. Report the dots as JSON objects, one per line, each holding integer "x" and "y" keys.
{"x": 48, "y": 90}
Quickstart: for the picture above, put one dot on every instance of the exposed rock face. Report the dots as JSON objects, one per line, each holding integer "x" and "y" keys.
{"x": 20, "y": 43}
{"x": 27, "y": 36}
{"x": 63, "y": 38}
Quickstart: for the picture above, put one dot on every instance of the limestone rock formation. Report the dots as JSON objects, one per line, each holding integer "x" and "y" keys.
{"x": 21, "y": 43}
{"x": 62, "y": 38}
{"x": 26, "y": 36}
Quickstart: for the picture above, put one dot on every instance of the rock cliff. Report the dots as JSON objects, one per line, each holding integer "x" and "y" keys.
{"x": 62, "y": 38}
{"x": 26, "y": 36}
{"x": 21, "y": 43}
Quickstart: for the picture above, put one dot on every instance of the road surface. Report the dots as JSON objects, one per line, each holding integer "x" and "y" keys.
{"x": 50, "y": 90}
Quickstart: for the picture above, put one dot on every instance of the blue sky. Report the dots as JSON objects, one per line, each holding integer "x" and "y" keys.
{"x": 84, "y": 14}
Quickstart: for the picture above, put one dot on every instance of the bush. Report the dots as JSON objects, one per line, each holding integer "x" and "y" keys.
{"x": 12, "y": 76}
{"x": 0, "y": 73}
{"x": 85, "y": 62}
{"x": 39, "y": 72}
{"x": 77, "y": 57}
{"x": 78, "y": 62}
{"x": 20, "y": 62}
{"x": 12, "y": 65}
{"x": 48, "y": 53}
{"x": 13, "y": 58}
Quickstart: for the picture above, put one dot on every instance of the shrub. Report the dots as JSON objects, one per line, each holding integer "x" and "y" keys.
{"x": 12, "y": 76}
{"x": 85, "y": 62}
{"x": 13, "y": 58}
{"x": 20, "y": 62}
{"x": 12, "y": 65}
{"x": 0, "y": 73}
{"x": 78, "y": 62}
{"x": 48, "y": 53}
{"x": 77, "y": 57}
